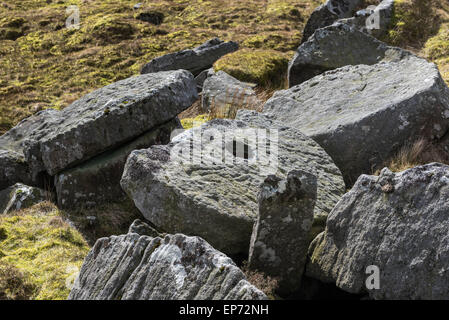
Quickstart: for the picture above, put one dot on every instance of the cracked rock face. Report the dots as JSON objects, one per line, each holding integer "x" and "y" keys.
{"x": 281, "y": 234}
{"x": 52, "y": 141}
{"x": 361, "y": 115}
{"x": 216, "y": 198}
{"x": 396, "y": 222}
{"x": 194, "y": 60}
{"x": 337, "y": 46}
{"x": 177, "y": 267}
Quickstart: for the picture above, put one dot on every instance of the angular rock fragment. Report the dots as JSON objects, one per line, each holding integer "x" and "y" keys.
{"x": 143, "y": 229}
{"x": 337, "y": 46}
{"x": 206, "y": 181}
{"x": 281, "y": 235}
{"x": 20, "y": 196}
{"x": 177, "y": 267}
{"x": 194, "y": 60}
{"x": 397, "y": 224}
{"x": 97, "y": 181}
{"x": 224, "y": 92}
{"x": 328, "y": 13}
{"x": 361, "y": 115}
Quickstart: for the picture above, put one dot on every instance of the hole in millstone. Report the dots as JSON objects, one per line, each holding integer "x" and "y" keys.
{"x": 240, "y": 149}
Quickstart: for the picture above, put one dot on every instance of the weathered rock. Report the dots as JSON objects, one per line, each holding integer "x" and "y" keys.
{"x": 194, "y": 60}
{"x": 199, "y": 79}
{"x": 143, "y": 229}
{"x": 13, "y": 165}
{"x": 281, "y": 235}
{"x": 97, "y": 181}
{"x": 133, "y": 267}
{"x": 396, "y": 222}
{"x": 102, "y": 120}
{"x": 337, "y": 46}
{"x": 20, "y": 196}
{"x": 215, "y": 198}
{"x": 221, "y": 90}
{"x": 361, "y": 115}
{"x": 328, "y": 13}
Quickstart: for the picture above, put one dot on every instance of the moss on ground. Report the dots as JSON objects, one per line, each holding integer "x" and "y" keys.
{"x": 267, "y": 68}
{"x": 40, "y": 254}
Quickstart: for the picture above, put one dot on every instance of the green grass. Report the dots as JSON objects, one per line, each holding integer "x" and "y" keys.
{"x": 39, "y": 254}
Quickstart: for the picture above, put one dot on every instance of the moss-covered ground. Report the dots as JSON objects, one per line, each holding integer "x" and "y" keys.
{"x": 40, "y": 254}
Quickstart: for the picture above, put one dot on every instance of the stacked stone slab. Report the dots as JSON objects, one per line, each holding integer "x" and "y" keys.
{"x": 107, "y": 119}
{"x": 214, "y": 193}
{"x": 177, "y": 267}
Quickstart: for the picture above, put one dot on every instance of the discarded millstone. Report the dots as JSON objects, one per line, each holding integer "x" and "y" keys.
{"x": 97, "y": 181}
{"x": 337, "y": 46}
{"x": 362, "y": 115}
{"x": 177, "y": 267}
{"x": 397, "y": 224}
{"x": 328, "y": 13}
{"x": 20, "y": 196}
{"x": 224, "y": 92}
{"x": 52, "y": 141}
{"x": 215, "y": 198}
{"x": 281, "y": 235}
{"x": 194, "y": 60}
{"x": 143, "y": 229}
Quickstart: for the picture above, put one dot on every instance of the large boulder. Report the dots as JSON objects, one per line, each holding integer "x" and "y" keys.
{"x": 328, "y": 13}
{"x": 224, "y": 92}
{"x": 20, "y": 196}
{"x": 361, "y": 115}
{"x": 337, "y": 46}
{"x": 194, "y": 60}
{"x": 97, "y": 180}
{"x": 395, "y": 223}
{"x": 105, "y": 119}
{"x": 281, "y": 234}
{"x": 177, "y": 267}
{"x": 214, "y": 193}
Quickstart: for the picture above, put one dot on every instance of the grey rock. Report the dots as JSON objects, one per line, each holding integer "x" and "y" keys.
{"x": 362, "y": 115}
{"x": 20, "y": 196}
{"x": 194, "y": 60}
{"x": 223, "y": 92}
{"x": 379, "y": 21}
{"x": 337, "y": 46}
{"x": 97, "y": 181}
{"x": 177, "y": 267}
{"x": 105, "y": 119}
{"x": 397, "y": 222}
{"x": 199, "y": 79}
{"x": 143, "y": 229}
{"x": 328, "y": 13}
{"x": 217, "y": 199}
{"x": 281, "y": 235}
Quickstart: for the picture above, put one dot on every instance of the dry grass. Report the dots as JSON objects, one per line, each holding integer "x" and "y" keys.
{"x": 414, "y": 154}
{"x": 263, "y": 282}
{"x": 14, "y": 283}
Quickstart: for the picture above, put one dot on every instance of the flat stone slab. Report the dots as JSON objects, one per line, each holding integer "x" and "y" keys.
{"x": 97, "y": 180}
{"x": 362, "y": 115}
{"x": 102, "y": 120}
{"x": 194, "y": 60}
{"x": 215, "y": 198}
{"x": 397, "y": 224}
{"x": 177, "y": 267}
